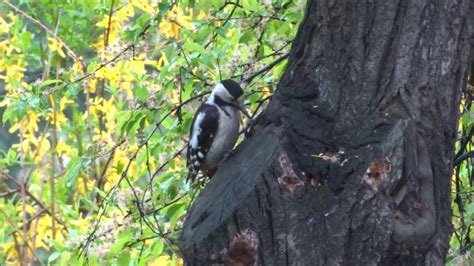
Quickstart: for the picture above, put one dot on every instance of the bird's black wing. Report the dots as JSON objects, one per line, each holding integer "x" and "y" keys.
{"x": 202, "y": 133}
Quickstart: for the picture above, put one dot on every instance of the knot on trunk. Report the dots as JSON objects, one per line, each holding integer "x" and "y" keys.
{"x": 288, "y": 180}
{"x": 377, "y": 174}
{"x": 242, "y": 250}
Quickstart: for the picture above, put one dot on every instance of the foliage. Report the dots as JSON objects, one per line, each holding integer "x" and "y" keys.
{"x": 100, "y": 95}
{"x": 463, "y": 184}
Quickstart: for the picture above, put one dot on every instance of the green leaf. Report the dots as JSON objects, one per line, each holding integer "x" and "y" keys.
{"x": 100, "y": 192}
{"x": 58, "y": 246}
{"x": 177, "y": 213}
{"x": 142, "y": 93}
{"x": 72, "y": 89}
{"x": 14, "y": 112}
{"x": 53, "y": 256}
{"x": 165, "y": 177}
{"x": 124, "y": 259}
{"x": 91, "y": 67}
{"x": 89, "y": 204}
{"x": 70, "y": 212}
{"x": 122, "y": 118}
{"x": 246, "y": 37}
{"x": 122, "y": 239}
{"x": 174, "y": 208}
{"x": 194, "y": 47}
{"x": 49, "y": 82}
{"x": 133, "y": 122}
{"x": 74, "y": 168}
{"x": 470, "y": 209}
{"x": 157, "y": 248}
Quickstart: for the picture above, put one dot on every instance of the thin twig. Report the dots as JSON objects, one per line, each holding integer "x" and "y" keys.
{"x": 9, "y": 193}
{"x": 41, "y": 204}
{"x": 106, "y": 38}
{"x": 99, "y": 183}
{"x": 236, "y": 4}
{"x": 275, "y": 53}
{"x": 22, "y": 186}
{"x": 248, "y": 79}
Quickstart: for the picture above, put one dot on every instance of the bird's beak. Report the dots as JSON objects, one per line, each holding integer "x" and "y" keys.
{"x": 242, "y": 109}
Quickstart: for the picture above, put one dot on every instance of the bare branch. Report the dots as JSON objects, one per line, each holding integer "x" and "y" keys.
{"x": 248, "y": 79}
{"x": 39, "y": 202}
{"x": 463, "y": 157}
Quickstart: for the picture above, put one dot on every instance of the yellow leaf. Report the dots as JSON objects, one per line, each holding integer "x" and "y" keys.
{"x": 62, "y": 147}
{"x": 31, "y": 124}
{"x": 91, "y": 85}
{"x": 175, "y": 30}
{"x": 104, "y": 23}
{"x": 14, "y": 127}
{"x": 4, "y": 26}
{"x": 201, "y": 15}
{"x": 28, "y": 208}
{"x": 143, "y": 5}
{"x": 55, "y": 46}
{"x": 230, "y": 32}
{"x": 175, "y": 20}
{"x": 166, "y": 28}
{"x": 77, "y": 68}
{"x": 162, "y": 61}
{"x": 126, "y": 12}
{"x": 160, "y": 261}
{"x": 63, "y": 102}
{"x": 136, "y": 66}
{"x": 12, "y": 17}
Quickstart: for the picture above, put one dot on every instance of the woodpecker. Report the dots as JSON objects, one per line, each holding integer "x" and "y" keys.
{"x": 215, "y": 128}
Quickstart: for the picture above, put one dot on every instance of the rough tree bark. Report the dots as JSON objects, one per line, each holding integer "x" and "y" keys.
{"x": 350, "y": 164}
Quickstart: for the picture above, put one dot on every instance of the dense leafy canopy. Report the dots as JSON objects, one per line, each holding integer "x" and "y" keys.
{"x": 97, "y": 98}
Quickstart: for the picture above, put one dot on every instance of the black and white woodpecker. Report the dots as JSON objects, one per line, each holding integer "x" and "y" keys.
{"x": 215, "y": 128}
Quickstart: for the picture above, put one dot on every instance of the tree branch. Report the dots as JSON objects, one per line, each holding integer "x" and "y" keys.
{"x": 248, "y": 79}
{"x": 463, "y": 157}
{"x": 39, "y": 202}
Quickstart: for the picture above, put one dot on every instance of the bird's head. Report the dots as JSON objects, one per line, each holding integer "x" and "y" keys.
{"x": 229, "y": 91}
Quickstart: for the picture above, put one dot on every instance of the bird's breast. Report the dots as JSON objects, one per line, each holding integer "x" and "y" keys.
{"x": 226, "y": 136}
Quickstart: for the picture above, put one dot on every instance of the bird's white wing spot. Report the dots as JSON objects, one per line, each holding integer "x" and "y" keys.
{"x": 196, "y": 130}
{"x": 200, "y": 155}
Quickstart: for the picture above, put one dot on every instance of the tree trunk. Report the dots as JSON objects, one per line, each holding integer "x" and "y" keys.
{"x": 351, "y": 162}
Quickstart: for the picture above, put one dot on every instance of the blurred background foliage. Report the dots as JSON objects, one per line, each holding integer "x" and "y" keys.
{"x": 96, "y": 101}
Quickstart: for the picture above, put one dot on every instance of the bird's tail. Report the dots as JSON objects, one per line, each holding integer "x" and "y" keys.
{"x": 192, "y": 173}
